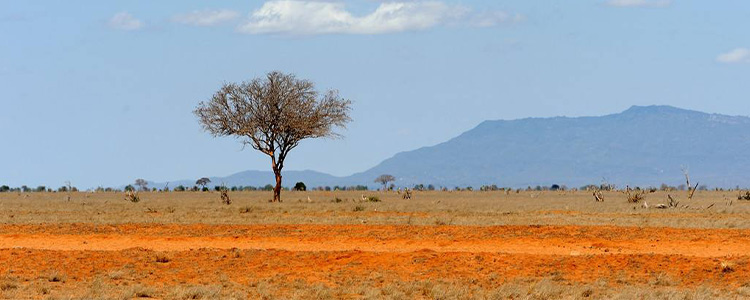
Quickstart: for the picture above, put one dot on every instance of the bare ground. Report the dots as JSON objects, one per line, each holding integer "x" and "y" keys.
{"x": 189, "y": 246}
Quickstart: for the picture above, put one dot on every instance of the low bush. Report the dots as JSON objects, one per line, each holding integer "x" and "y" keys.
{"x": 132, "y": 196}
{"x": 225, "y": 197}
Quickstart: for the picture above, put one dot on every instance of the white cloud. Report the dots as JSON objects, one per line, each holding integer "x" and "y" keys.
{"x": 639, "y": 3}
{"x": 739, "y": 55}
{"x": 206, "y": 17}
{"x": 125, "y": 21}
{"x": 322, "y": 17}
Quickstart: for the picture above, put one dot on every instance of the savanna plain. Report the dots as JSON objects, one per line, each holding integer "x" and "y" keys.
{"x": 374, "y": 245}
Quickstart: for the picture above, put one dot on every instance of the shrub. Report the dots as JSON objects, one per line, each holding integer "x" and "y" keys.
{"x": 4, "y": 189}
{"x": 7, "y": 286}
{"x": 727, "y": 266}
{"x": 132, "y": 196}
{"x": 359, "y": 208}
{"x": 162, "y": 259}
{"x": 179, "y": 188}
{"x": 225, "y": 197}
{"x": 373, "y": 199}
{"x": 300, "y": 186}
{"x": 139, "y": 291}
{"x": 197, "y": 292}
{"x": 635, "y": 196}
{"x": 56, "y": 277}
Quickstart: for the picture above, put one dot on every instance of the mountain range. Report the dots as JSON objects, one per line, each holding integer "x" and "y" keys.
{"x": 642, "y": 146}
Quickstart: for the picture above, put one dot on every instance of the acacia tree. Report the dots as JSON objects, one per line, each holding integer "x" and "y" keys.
{"x": 273, "y": 114}
{"x": 142, "y": 184}
{"x": 203, "y": 182}
{"x": 384, "y": 180}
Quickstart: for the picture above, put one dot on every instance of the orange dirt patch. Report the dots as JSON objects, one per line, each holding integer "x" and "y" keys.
{"x": 543, "y": 240}
{"x": 334, "y": 254}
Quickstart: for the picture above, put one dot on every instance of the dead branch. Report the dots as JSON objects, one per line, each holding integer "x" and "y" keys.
{"x": 635, "y": 196}
{"x": 692, "y": 192}
{"x": 672, "y": 203}
{"x": 598, "y": 196}
{"x": 407, "y": 194}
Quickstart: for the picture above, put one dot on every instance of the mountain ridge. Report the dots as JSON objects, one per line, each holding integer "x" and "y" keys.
{"x": 643, "y": 145}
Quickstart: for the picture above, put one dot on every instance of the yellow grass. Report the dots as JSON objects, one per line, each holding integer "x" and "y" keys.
{"x": 708, "y": 209}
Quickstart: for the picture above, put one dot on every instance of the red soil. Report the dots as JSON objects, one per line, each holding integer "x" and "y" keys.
{"x": 333, "y": 254}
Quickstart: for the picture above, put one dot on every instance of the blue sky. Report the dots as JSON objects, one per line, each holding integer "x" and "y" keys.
{"x": 102, "y": 92}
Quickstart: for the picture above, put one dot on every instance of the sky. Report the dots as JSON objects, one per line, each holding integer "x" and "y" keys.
{"x": 100, "y": 93}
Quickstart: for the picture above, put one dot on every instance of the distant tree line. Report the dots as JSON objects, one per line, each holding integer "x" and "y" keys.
{"x": 142, "y": 185}
{"x": 38, "y": 189}
{"x": 341, "y": 188}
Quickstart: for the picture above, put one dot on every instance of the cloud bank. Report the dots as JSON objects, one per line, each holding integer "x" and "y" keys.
{"x": 125, "y": 21}
{"x": 320, "y": 17}
{"x": 739, "y": 55}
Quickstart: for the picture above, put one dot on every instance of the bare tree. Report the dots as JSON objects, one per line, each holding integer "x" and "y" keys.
{"x": 384, "y": 180}
{"x": 691, "y": 189}
{"x": 686, "y": 172}
{"x": 273, "y": 114}
{"x": 203, "y": 182}
{"x": 142, "y": 184}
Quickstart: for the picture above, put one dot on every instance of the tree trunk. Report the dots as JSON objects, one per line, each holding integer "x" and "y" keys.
{"x": 277, "y": 189}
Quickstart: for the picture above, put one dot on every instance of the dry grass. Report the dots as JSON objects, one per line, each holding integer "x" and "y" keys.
{"x": 370, "y": 288}
{"x": 426, "y": 208}
{"x": 705, "y": 210}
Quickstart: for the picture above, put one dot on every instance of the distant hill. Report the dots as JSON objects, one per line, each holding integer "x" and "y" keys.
{"x": 641, "y": 146}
